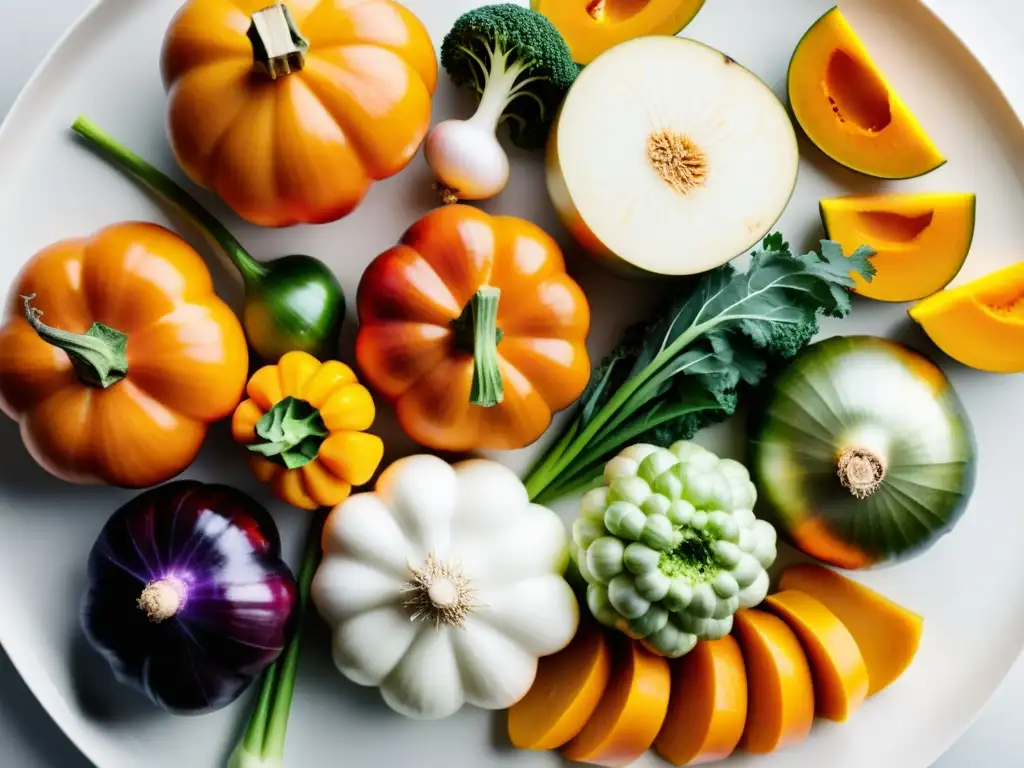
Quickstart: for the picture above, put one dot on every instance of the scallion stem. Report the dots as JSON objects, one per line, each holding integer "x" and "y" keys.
{"x": 263, "y": 741}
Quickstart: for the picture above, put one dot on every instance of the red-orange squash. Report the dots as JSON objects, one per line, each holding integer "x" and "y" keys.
{"x": 119, "y": 357}
{"x": 291, "y": 112}
{"x": 473, "y": 330}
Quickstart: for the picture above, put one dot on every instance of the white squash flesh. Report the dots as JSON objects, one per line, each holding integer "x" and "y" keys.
{"x": 688, "y": 212}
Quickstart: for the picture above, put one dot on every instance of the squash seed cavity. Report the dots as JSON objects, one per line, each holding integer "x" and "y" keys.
{"x": 677, "y": 160}
{"x": 856, "y": 94}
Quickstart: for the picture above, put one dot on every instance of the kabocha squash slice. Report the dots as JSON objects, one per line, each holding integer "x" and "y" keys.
{"x": 568, "y": 687}
{"x": 837, "y": 666}
{"x": 887, "y": 634}
{"x": 847, "y": 108}
{"x": 708, "y": 706}
{"x": 590, "y": 27}
{"x": 921, "y": 240}
{"x": 980, "y": 323}
{"x": 780, "y": 692}
{"x": 630, "y": 713}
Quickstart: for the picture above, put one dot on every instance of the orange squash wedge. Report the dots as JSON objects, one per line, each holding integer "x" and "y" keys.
{"x": 780, "y": 691}
{"x": 590, "y": 27}
{"x": 980, "y": 323}
{"x": 708, "y": 707}
{"x": 847, "y": 108}
{"x": 630, "y": 713}
{"x": 838, "y": 670}
{"x": 921, "y": 240}
{"x": 887, "y": 634}
{"x": 565, "y": 693}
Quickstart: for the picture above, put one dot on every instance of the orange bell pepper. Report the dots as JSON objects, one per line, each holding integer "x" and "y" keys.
{"x": 304, "y": 422}
{"x": 291, "y": 112}
{"x": 473, "y": 329}
{"x": 115, "y": 355}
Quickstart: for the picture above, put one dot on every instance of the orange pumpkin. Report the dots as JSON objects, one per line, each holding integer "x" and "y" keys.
{"x": 115, "y": 355}
{"x": 473, "y": 329}
{"x": 291, "y": 112}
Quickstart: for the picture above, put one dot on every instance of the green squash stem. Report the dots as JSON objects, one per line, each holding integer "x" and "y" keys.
{"x": 290, "y": 433}
{"x": 476, "y": 331}
{"x": 251, "y": 270}
{"x": 262, "y": 745}
{"x": 861, "y": 471}
{"x": 98, "y": 355}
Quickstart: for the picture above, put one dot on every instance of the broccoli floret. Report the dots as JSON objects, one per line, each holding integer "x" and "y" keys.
{"x": 517, "y": 62}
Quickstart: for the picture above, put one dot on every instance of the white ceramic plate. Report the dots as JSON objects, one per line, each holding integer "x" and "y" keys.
{"x": 51, "y": 187}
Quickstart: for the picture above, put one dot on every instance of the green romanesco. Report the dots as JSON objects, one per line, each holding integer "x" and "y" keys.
{"x": 669, "y": 546}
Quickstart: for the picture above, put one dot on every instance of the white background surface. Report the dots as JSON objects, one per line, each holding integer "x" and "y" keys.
{"x": 28, "y": 739}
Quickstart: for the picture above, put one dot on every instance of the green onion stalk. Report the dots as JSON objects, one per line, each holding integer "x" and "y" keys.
{"x": 291, "y": 303}
{"x": 262, "y": 744}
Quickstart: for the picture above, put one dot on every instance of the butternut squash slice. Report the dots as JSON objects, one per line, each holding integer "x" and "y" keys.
{"x": 921, "y": 239}
{"x": 565, "y": 693}
{"x": 838, "y": 670}
{"x": 780, "y": 692}
{"x": 630, "y": 713}
{"x": 590, "y": 27}
{"x": 708, "y": 707}
{"x": 847, "y": 108}
{"x": 887, "y": 634}
{"x": 980, "y": 323}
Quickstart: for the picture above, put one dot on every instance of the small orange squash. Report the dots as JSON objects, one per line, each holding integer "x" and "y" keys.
{"x": 291, "y": 112}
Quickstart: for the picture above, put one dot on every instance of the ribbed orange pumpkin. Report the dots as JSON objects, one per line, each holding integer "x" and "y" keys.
{"x": 291, "y": 112}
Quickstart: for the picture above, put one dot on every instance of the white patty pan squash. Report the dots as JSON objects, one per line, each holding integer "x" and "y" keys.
{"x": 444, "y": 585}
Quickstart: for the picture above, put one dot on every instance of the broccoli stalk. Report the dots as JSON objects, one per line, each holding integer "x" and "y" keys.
{"x": 519, "y": 65}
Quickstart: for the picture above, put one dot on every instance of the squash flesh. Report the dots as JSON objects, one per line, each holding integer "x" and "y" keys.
{"x": 838, "y": 670}
{"x": 780, "y": 692}
{"x": 921, "y": 240}
{"x": 708, "y": 707}
{"x": 980, "y": 323}
{"x": 630, "y": 713}
{"x": 887, "y": 634}
{"x": 565, "y": 693}
{"x": 849, "y": 110}
{"x": 590, "y": 27}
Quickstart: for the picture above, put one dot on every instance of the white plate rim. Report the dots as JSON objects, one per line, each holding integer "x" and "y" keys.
{"x": 35, "y": 676}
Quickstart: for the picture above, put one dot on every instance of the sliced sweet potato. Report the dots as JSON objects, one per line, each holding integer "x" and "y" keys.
{"x": 837, "y": 666}
{"x": 887, "y": 634}
{"x": 780, "y": 693}
{"x": 565, "y": 693}
{"x": 630, "y": 713}
{"x": 708, "y": 707}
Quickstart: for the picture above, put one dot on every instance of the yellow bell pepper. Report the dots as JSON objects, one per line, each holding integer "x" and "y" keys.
{"x": 304, "y": 422}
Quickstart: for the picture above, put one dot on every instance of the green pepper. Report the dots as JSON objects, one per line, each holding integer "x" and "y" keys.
{"x": 670, "y": 548}
{"x": 291, "y": 303}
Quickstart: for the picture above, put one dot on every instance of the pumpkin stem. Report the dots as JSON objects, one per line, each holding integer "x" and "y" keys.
{"x": 860, "y": 471}
{"x": 440, "y": 592}
{"x": 98, "y": 355}
{"x": 278, "y": 48}
{"x": 476, "y": 331}
{"x": 163, "y": 598}
{"x": 290, "y": 433}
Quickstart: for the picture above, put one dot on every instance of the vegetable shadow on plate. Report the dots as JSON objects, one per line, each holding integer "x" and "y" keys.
{"x": 98, "y": 693}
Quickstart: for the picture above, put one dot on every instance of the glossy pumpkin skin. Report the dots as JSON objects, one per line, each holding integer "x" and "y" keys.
{"x": 238, "y": 596}
{"x": 409, "y": 352}
{"x": 347, "y": 456}
{"x": 862, "y": 392}
{"x": 186, "y": 352}
{"x": 304, "y": 147}
{"x": 849, "y": 111}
